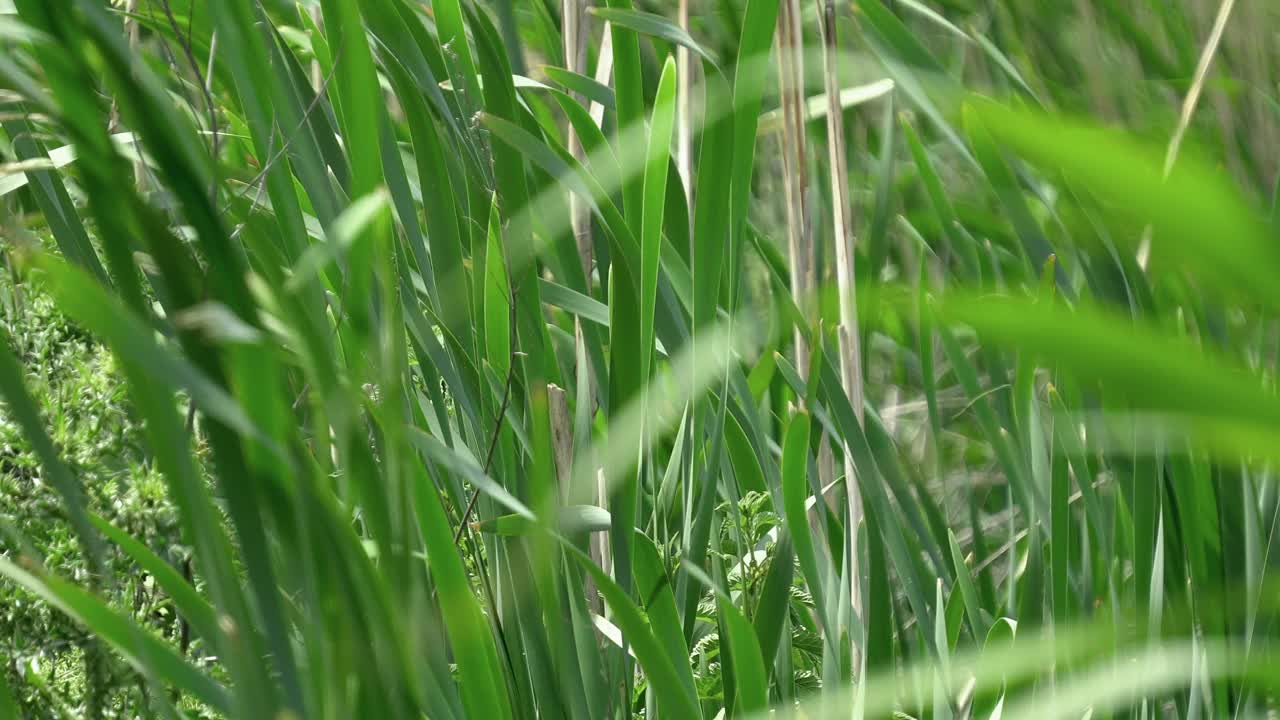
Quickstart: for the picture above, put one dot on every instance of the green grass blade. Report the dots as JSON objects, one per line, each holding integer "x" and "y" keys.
{"x": 497, "y": 298}
{"x": 653, "y": 588}
{"x": 661, "y": 128}
{"x": 585, "y": 86}
{"x": 629, "y": 96}
{"x": 795, "y": 488}
{"x": 712, "y": 200}
{"x": 774, "y": 602}
{"x": 1001, "y": 177}
{"x": 8, "y": 706}
{"x": 758, "y": 27}
{"x": 939, "y": 201}
{"x": 453, "y": 35}
{"x": 673, "y": 695}
{"x": 968, "y": 590}
{"x": 911, "y": 66}
{"x": 1100, "y": 345}
{"x": 54, "y": 201}
{"x": 484, "y": 691}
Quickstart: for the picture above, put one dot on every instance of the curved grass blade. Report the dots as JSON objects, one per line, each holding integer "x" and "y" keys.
{"x": 574, "y": 520}
{"x": 968, "y": 590}
{"x": 651, "y": 24}
{"x": 189, "y": 602}
{"x": 585, "y": 86}
{"x": 774, "y": 603}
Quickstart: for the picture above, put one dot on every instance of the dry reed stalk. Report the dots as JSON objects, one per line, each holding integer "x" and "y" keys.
{"x": 1189, "y": 108}
{"x": 790, "y": 47}
{"x": 847, "y": 332}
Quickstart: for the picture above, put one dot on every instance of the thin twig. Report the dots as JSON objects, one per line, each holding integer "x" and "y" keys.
{"x": 288, "y": 140}
{"x": 205, "y": 86}
{"x": 497, "y": 425}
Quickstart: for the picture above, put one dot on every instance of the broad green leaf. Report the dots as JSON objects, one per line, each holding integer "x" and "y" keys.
{"x": 1199, "y": 219}
{"x": 1100, "y": 346}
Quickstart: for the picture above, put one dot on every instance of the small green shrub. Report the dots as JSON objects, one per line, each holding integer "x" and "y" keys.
{"x": 90, "y": 420}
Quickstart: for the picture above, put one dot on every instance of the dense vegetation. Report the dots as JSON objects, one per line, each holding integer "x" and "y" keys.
{"x": 394, "y": 359}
